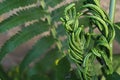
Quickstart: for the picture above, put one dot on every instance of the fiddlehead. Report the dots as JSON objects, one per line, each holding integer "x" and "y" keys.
{"x": 85, "y": 46}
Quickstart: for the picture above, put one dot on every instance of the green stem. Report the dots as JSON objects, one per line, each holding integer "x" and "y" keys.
{"x": 112, "y": 16}
{"x": 112, "y": 9}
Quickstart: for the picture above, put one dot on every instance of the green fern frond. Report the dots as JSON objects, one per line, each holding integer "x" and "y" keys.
{"x": 7, "y": 5}
{"x": 60, "y": 30}
{"x": 44, "y": 64}
{"x": 48, "y": 63}
{"x": 117, "y": 31}
{"x": 57, "y": 13}
{"x": 22, "y": 17}
{"x": 24, "y": 35}
{"x": 52, "y": 3}
{"x": 38, "y": 49}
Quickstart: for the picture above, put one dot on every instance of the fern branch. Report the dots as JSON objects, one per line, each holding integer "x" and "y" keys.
{"x": 24, "y": 35}
{"x": 7, "y": 5}
{"x": 38, "y": 49}
{"x": 53, "y": 3}
{"x": 22, "y": 17}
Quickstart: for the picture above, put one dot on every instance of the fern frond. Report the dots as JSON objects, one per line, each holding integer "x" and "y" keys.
{"x": 24, "y": 35}
{"x": 60, "y": 30}
{"x": 22, "y": 17}
{"x": 117, "y": 31}
{"x": 57, "y": 13}
{"x": 7, "y": 5}
{"x": 38, "y": 49}
{"x": 52, "y": 3}
{"x": 47, "y": 63}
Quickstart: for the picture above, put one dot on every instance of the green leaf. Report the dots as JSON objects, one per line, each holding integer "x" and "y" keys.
{"x": 117, "y": 31}
{"x": 7, "y": 5}
{"x": 53, "y": 3}
{"x": 57, "y": 13}
{"x": 73, "y": 75}
{"x": 47, "y": 63}
{"x": 22, "y": 17}
{"x": 114, "y": 76}
{"x": 24, "y": 35}
{"x": 84, "y": 21}
{"x": 38, "y": 49}
{"x": 79, "y": 3}
{"x": 116, "y": 61}
{"x": 3, "y": 74}
{"x": 61, "y": 33}
{"x": 39, "y": 77}
{"x": 60, "y": 30}
{"x": 63, "y": 69}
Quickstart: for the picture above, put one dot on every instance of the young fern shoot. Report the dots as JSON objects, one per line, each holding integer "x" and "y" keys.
{"x": 85, "y": 47}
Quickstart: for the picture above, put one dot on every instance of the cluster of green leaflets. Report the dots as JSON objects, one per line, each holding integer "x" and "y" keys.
{"x": 87, "y": 46}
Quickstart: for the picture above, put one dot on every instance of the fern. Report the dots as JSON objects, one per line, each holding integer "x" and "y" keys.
{"x": 23, "y": 36}
{"x": 53, "y": 3}
{"x": 27, "y": 33}
{"x": 22, "y": 17}
{"x": 38, "y": 49}
{"x": 46, "y": 22}
{"x": 6, "y": 5}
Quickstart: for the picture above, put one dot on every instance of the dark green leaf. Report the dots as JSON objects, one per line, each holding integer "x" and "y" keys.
{"x": 59, "y": 12}
{"x": 79, "y": 3}
{"x": 56, "y": 14}
{"x": 116, "y": 61}
{"x": 48, "y": 61}
{"x": 117, "y": 31}
{"x": 3, "y": 74}
{"x": 38, "y": 49}
{"x": 61, "y": 33}
{"x": 7, "y": 5}
{"x": 39, "y": 77}
{"x": 46, "y": 65}
{"x": 114, "y": 76}
{"x": 22, "y": 17}
{"x": 84, "y": 21}
{"x": 73, "y": 75}
{"x": 63, "y": 69}
{"x": 60, "y": 30}
{"x": 53, "y": 3}
{"x": 24, "y": 35}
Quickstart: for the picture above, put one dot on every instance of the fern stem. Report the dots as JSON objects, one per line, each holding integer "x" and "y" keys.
{"x": 112, "y": 9}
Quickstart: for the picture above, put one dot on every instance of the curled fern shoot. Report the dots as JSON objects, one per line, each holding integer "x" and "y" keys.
{"x": 85, "y": 47}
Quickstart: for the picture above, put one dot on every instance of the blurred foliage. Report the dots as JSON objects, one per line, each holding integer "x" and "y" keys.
{"x": 47, "y": 60}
